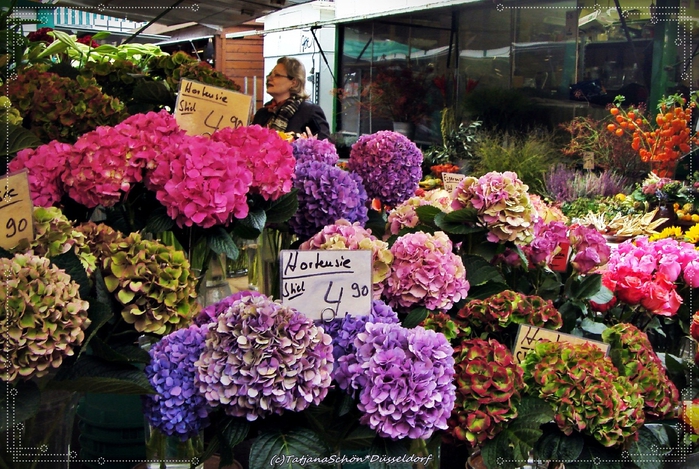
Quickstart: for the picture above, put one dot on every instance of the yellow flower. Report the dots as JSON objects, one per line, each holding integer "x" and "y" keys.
{"x": 620, "y": 197}
{"x": 670, "y": 232}
{"x": 692, "y": 234}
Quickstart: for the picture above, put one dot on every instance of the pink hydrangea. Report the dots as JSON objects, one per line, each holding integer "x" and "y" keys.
{"x": 425, "y": 272}
{"x": 267, "y": 156}
{"x": 647, "y": 272}
{"x": 405, "y": 216}
{"x": 590, "y": 247}
{"x": 502, "y": 203}
{"x": 345, "y": 235}
{"x": 100, "y": 168}
{"x": 45, "y": 166}
{"x": 547, "y": 241}
{"x": 201, "y": 182}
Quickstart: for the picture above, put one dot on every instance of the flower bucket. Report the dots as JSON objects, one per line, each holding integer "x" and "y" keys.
{"x": 170, "y": 452}
{"x": 404, "y": 128}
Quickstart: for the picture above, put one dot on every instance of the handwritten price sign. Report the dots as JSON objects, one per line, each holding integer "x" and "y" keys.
{"x": 15, "y": 210}
{"x": 528, "y": 336}
{"x": 327, "y": 284}
{"x": 451, "y": 180}
{"x": 202, "y": 109}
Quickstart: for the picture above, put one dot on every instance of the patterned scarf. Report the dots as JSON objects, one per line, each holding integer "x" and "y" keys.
{"x": 283, "y": 112}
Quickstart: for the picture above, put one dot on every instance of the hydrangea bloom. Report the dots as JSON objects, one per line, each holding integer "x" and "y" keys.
{"x": 344, "y": 330}
{"x": 312, "y": 149}
{"x": 201, "y": 182}
{"x": 262, "y": 358}
{"x": 326, "y": 194}
{"x": 585, "y": 390}
{"x": 643, "y": 272}
{"x": 148, "y": 134}
{"x": 345, "y": 235}
{"x": 211, "y": 312}
{"x": 177, "y": 408}
{"x": 405, "y": 216}
{"x": 546, "y": 242}
{"x": 643, "y": 368}
{"x": 45, "y": 167}
{"x": 590, "y": 247}
{"x": 43, "y": 317}
{"x": 425, "y": 272}
{"x": 502, "y": 203}
{"x": 268, "y": 156}
{"x": 489, "y": 384}
{"x": 389, "y": 164}
{"x": 404, "y": 378}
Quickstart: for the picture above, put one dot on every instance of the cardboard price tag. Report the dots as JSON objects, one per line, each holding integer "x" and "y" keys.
{"x": 451, "y": 180}
{"x": 16, "y": 210}
{"x": 528, "y": 336}
{"x": 588, "y": 160}
{"x": 202, "y": 109}
{"x": 327, "y": 284}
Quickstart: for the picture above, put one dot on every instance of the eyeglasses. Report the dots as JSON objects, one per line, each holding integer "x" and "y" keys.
{"x": 277, "y": 75}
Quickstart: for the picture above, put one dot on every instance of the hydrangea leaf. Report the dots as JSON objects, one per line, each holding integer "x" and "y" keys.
{"x": 23, "y": 408}
{"x": 5, "y": 254}
{"x": 153, "y": 92}
{"x": 69, "y": 262}
{"x": 510, "y": 448}
{"x": 383, "y": 449}
{"x": 583, "y": 288}
{"x": 376, "y": 223}
{"x": 221, "y": 242}
{"x": 593, "y": 327}
{"x": 14, "y": 138}
{"x": 554, "y": 445}
{"x": 480, "y": 271}
{"x": 99, "y": 314}
{"x": 427, "y": 213}
{"x": 481, "y": 292}
{"x": 228, "y": 436}
{"x": 275, "y": 449}
{"x": 647, "y": 452}
{"x": 415, "y": 317}
{"x": 159, "y": 221}
{"x": 124, "y": 353}
{"x": 282, "y": 209}
{"x": 457, "y": 222}
{"x": 251, "y": 226}
{"x": 604, "y": 295}
{"x": 596, "y": 456}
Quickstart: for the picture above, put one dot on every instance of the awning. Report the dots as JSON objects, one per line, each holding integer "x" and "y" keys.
{"x": 215, "y": 12}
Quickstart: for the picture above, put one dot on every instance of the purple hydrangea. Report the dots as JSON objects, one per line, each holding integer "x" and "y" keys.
{"x": 344, "y": 330}
{"x": 326, "y": 194}
{"x": 312, "y": 149}
{"x": 547, "y": 238}
{"x": 177, "y": 408}
{"x": 262, "y": 358}
{"x": 211, "y": 312}
{"x": 389, "y": 164}
{"x": 404, "y": 378}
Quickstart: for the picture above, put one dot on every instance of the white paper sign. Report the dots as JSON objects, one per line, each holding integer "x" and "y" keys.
{"x": 327, "y": 284}
{"x": 451, "y": 180}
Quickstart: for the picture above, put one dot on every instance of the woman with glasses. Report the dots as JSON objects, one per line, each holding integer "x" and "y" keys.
{"x": 288, "y": 111}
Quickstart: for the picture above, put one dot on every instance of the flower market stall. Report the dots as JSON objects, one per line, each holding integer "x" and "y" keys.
{"x": 504, "y": 327}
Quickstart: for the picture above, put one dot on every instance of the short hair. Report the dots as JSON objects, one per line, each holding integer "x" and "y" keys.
{"x": 295, "y": 70}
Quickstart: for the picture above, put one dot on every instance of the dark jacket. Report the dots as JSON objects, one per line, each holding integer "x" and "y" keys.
{"x": 307, "y": 115}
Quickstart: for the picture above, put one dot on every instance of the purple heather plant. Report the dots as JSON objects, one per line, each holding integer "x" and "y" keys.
{"x": 404, "y": 378}
{"x": 326, "y": 194}
{"x": 262, "y": 358}
{"x": 564, "y": 184}
{"x": 312, "y": 149}
{"x": 389, "y": 164}
{"x": 177, "y": 409}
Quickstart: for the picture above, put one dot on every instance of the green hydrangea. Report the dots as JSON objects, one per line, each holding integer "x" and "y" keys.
{"x": 54, "y": 235}
{"x": 585, "y": 390}
{"x": 42, "y": 319}
{"x": 153, "y": 282}
{"x": 635, "y": 359}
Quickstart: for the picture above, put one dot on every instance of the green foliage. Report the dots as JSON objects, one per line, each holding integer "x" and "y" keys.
{"x": 458, "y": 144}
{"x": 276, "y": 449}
{"x": 504, "y": 110}
{"x": 172, "y": 68}
{"x": 529, "y": 156}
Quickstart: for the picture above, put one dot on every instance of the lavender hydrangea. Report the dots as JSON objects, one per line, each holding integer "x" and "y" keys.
{"x": 177, "y": 409}
{"x": 262, "y": 358}
{"x": 312, "y": 149}
{"x": 326, "y": 194}
{"x": 389, "y": 164}
{"x": 404, "y": 378}
{"x": 344, "y": 330}
{"x": 211, "y": 312}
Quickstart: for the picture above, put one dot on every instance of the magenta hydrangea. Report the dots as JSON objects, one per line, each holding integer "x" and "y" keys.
{"x": 201, "y": 182}
{"x": 546, "y": 242}
{"x": 149, "y": 134}
{"x": 425, "y": 272}
{"x": 312, "y": 149}
{"x": 45, "y": 166}
{"x": 389, "y": 164}
{"x": 268, "y": 156}
{"x": 262, "y": 358}
{"x": 404, "y": 378}
{"x": 326, "y": 194}
{"x": 177, "y": 408}
{"x": 591, "y": 250}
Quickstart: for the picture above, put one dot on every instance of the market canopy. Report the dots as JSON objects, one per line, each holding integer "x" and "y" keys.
{"x": 169, "y": 12}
